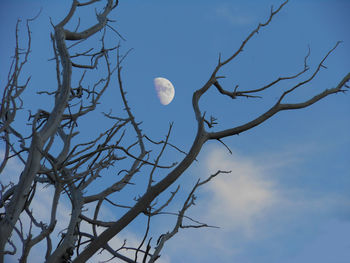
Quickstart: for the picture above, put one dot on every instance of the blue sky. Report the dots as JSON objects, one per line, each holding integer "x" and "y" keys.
{"x": 287, "y": 199}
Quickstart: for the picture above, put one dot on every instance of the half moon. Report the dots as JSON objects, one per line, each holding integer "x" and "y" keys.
{"x": 165, "y": 90}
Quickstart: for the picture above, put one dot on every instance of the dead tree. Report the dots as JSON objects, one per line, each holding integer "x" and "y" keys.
{"x": 72, "y": 169}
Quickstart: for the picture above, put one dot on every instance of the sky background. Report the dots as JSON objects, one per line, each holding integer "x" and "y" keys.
{"x": 287, "y": 198}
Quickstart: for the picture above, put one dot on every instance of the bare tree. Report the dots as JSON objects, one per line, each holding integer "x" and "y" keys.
{"x": 72, "y": 169}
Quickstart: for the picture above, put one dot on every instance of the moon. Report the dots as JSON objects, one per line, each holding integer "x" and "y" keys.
{"x": 165, "y": 90}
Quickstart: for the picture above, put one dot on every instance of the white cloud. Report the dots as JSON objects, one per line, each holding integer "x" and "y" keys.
{"x": 254, "y": 204}
{"x": 240, "y": 198}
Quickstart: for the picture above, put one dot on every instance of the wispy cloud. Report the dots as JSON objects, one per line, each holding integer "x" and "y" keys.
{"x": 233, "y": 15}
{"x": 254, "y": 204}
{"x": 240, "y": 198}
{"x": 255, "y": 190}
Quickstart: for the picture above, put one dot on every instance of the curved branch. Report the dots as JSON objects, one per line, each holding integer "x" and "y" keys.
{"x": 279, "y": 107}
{"x": 102, "y": 20}
{"x": 213, "y": 78}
